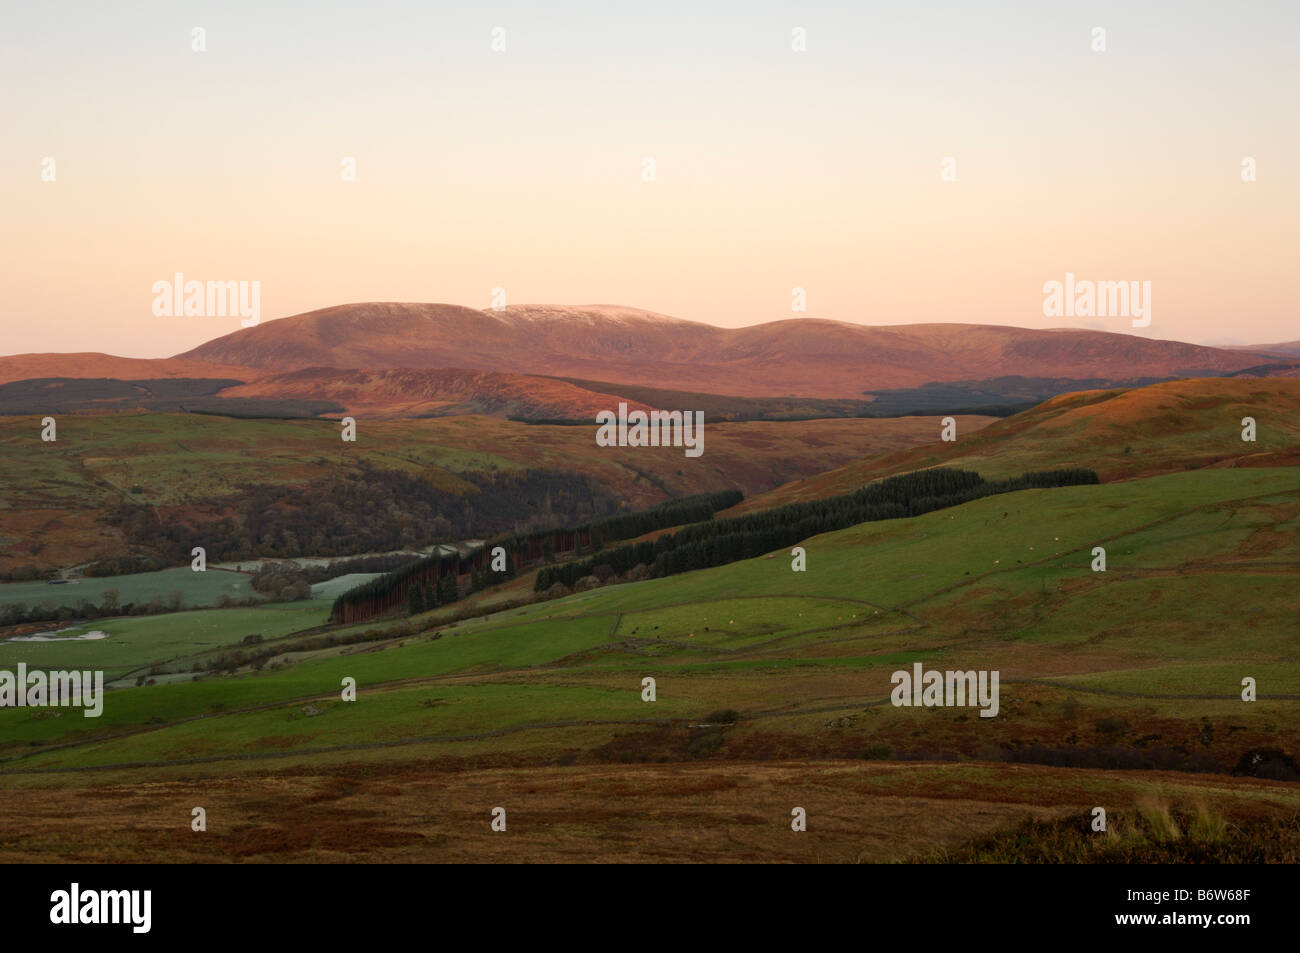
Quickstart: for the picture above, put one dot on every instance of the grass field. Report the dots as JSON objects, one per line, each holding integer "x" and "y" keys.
{"x": 777, "y": 675}
{"x": 137, "y": 642}
{"x": 196, "y": 588}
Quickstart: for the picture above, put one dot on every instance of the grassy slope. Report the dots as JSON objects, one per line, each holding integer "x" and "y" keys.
{"x": 136, "y": 642}
{"x": 1201, "y": 590}
{"x": 1121, "y": 434}
{"x": 1000, "y": 583}
{"x": 196, "y": 588}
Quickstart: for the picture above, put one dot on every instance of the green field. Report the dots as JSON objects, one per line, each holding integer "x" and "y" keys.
{"x": 137, "y": 642}
{"x": 1123, "y": 684}
{"x": 196, "y": 588}
{"x": 1187, "y": 606}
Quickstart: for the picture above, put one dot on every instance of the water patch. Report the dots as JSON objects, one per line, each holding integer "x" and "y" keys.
{"x": 57, "y": 636}
{"x": 331, "y": 588}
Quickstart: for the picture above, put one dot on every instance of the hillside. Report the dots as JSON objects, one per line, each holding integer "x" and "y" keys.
{"x": 1119, "y": 688}
{"x": 806, "y": 356}
{"x": 443, "y": 392}
{"x": 92, "y": 364}
{"x": 135, "y": 482}
{"x": 1119, "y": 433}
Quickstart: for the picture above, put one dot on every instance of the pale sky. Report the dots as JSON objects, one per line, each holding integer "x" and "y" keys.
{"x": 522, "y": 169}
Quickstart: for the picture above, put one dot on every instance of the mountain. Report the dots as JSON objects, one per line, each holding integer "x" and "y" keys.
{"x": 805, "y": 356}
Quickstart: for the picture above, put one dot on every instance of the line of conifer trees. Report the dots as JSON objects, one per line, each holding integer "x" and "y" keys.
{"x": 526, "y": 548}
{"x": 436, "y": 580}
{"x": 717, "y": 542}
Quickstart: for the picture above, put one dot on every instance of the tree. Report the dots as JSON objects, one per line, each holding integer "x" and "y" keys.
{"x": 415, "y": 599}
{"x": 447, "y": 590}
{"x": 112, "y": 601}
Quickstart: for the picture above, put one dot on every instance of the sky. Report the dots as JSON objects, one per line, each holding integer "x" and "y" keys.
{"x": 523, "y": 168}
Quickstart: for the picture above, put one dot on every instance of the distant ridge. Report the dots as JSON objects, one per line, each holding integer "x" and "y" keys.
{"x": 804, "y": 356}
{"x": 1283, "y": 349}
{"x": 435, "y": 393}
{"x": 92, "y": 364}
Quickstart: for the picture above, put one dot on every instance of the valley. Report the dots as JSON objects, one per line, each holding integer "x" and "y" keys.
{"x": 772, "y": 685}
{"x": 656, "y": 711}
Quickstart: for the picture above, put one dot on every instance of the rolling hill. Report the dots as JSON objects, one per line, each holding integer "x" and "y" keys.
{"x": 64, "y": 505}
{"x": 94, "y": 365}
{"x": 1119, "y": 688}
{"x": 1281, "y": 349}
{"x": 440, "y": 393}
{"x": 1179, "y": 425}
{"x": 807, "y": 356}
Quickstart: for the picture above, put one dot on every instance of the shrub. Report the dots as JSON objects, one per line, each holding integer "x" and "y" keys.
{"x": 704, "y": 743}
{"x": 1112, "y": 726}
